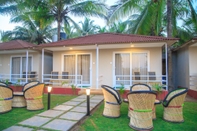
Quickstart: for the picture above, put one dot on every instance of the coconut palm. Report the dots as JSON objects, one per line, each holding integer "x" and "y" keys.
{"x": 7, "y": 7}
{"x": 71, "y": 31}
{"x": 102, "y": 29}
{"x": 120, "y": 27}
{"x": 87, "y": 27}
{"x": 60, "y": 10}
{"x": 152, "y": 17}
{"x": 31, "y": 30}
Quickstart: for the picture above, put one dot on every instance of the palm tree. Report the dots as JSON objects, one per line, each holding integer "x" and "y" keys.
{"x": 71, "y": 31}
{"x": 144, "y": 17}
{"x": 120, "y": 27}
{"x": 31, "y": 30}
{"x": 7, "y": 6}
{"x": 102, "y": 29}
{"x": 87, "y": 27}
{"x": 59, "y": 10}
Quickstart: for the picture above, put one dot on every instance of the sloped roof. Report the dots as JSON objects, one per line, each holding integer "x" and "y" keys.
{"x": 188, "y": 43}
{"x": 107, "y": 38}
{"x": 16, "y": 44}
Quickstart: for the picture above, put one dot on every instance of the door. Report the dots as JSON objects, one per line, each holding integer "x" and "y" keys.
{"x": 78, "y": 68}
{"x": 139, "y": 64}
{"x": 122, "y": 68}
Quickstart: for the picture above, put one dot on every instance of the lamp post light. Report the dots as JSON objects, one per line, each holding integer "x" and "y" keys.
{"x": 49, "y": 96}
{"x": 88, "y": 101}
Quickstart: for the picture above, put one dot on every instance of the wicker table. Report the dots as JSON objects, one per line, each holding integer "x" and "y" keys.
{"x": 18, "y": 100}
{"x": 154, "y": 114}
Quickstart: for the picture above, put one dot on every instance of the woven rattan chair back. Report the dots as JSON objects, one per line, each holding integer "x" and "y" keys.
{"x": 139, "y": 86}
{"x": 141, "y": 104}
{"x": 173, "y": 105}
{"x": 2, "y": 83}
{"x": 112, "y": 102}
{"x": 33, "y": 96}
{"x": 27, "y": 85}
{"x": 6, "y": 96}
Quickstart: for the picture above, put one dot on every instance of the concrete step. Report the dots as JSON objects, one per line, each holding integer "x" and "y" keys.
{"x": 92, "y": 91}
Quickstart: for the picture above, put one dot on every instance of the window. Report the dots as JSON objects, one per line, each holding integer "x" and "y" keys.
{"x": 78, "y": 68}
{"x": 122, "y": 68}
{"x": 18, "y": 66}
{"x": 139, "y": 64}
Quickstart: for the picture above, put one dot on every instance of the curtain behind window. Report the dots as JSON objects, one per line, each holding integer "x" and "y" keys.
{"x": 69, "y": 65}
{"x": 83, "y": 67}
{"x": 139, "y": 64}
{"x": 122, "y": 68}
{"x": 24, "y": 64}
{"x": 15, "y": 68}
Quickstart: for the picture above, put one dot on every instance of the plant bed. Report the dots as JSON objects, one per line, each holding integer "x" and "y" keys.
{"x": 63, "y": 90}
{"x": 161, "y": 95}
{"x": 124, "y": 95}
{"x": 16, "y": 88}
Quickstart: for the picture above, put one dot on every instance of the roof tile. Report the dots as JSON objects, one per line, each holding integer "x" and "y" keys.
{"x": 107, "y": 38}
{"x": 15, "y": 44}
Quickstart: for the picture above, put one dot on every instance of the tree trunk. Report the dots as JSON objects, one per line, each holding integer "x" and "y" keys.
{"x": 58, "y": 30}
{"x": 169, "y": 18}
{"x": 170, "y": 71}
{"x": 169, "y": 34}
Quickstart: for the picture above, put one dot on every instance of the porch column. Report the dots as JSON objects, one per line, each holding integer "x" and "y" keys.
{"x": 42, "y": 77}
{"x": 27, "y": 58}
{"x": 166, "y": 50}
{"x": 97, "y": 66}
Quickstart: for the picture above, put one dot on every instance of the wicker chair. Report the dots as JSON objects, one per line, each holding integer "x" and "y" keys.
{"x": 112, "y": 102}
{"x": 173, "y": 105}
{"x": 139, "y": 86}
{"x": 33, "y": 96}
{"x": 144, "y": 87}
{"x": 19, "y": 99}
{"x": 141, "y": 104}
{"x": 2, "y": 83}
{"x": 27, "y": 85}
{"x": 6, "y": 96}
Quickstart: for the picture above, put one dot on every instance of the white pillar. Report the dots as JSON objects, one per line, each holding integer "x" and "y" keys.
{"x": 42, "y": 65}
{"x": 97, "y": 66}
{"x": 27, "y": 58}
{"x": 166, "y": 48}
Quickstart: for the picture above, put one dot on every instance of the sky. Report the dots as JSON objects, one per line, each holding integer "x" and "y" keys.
{"x": 5, "y": 24}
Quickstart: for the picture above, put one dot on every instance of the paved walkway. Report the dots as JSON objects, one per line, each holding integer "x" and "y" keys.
{"x": 63, "y": 117}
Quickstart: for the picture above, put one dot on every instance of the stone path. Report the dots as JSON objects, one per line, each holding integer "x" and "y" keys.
{"x": 62, "y": 117}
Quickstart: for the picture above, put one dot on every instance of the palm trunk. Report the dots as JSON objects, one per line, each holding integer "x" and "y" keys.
{"x": 169, "y": 34}
{"x": 169, "y": 18}
{"x": 58, "y": 30}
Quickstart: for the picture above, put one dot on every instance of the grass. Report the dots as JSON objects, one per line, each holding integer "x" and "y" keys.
{"x": 17, "y": 115}
{"x": 97, "y": 122}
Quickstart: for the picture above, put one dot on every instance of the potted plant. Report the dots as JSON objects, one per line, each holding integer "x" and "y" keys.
{"x": 158, "y": 88}
{"x": 18, "y": 86}
{"x": 74, "y": 88}
{"x": 122, "y": 90}
{"x": 65, "y": 83}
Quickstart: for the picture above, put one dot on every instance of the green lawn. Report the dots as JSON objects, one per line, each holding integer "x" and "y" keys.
{"x": 17, "y": 115}
{"x": 97, "y": 122}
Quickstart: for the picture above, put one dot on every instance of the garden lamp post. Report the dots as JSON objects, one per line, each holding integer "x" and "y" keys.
{"x": 49, "y": 96}
{"x": 88, "y": 101}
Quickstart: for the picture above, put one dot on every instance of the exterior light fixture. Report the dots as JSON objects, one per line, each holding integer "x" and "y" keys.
{"x": 88, "y": 101}
{"x": 49, "y": 96}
